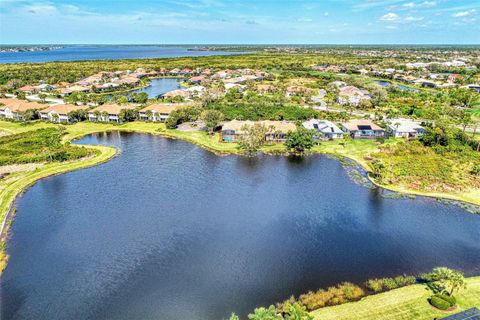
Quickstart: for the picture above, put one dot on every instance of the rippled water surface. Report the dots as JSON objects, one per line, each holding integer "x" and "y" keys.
{"x": 167, "y": 230}
{"x": 108, "y": 52}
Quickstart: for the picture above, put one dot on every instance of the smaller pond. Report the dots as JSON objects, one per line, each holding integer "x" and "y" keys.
{"x": 160, "y": 86}
{"x": 387, "y": 84}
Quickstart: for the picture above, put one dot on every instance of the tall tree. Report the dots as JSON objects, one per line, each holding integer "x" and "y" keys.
{"x": 212, "y": 119}
{"x": 252, "y": 138}
{"x": 301, "y": 140}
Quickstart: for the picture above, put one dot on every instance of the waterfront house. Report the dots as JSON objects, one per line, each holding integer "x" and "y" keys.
{"x": 325, "y": 129}
{"x": 405, "y": 128}
{"x": 196, "y": 79}
{"x": 177, "y": 93}
{"x": 108, "y": 112}
{"x": 363, "y": 129}
{"x": 276, "y": 130}
{"x": 59, "y": 112}
{"x": 16, "y": 108}
{"x": 158, "y": 112}
{"x": 196, "y": 90}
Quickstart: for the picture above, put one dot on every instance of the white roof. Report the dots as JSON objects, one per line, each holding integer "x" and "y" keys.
{"x": 323, "y": 126}
{"x": 404, "y": 125}
{"x": 196, "y": 88}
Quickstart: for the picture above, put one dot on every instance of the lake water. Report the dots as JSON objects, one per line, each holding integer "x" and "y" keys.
{"x": 160, "y": 86}
{"x": 74, "y": 53}
{"x": 167, "y": 230}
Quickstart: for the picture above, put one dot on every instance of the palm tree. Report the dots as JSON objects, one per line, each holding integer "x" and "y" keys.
{"x": 55, "y": 117}
{"x": 105, "y": 115}
{"x": 97, "y": 115}
{"x": 149, "y": 114}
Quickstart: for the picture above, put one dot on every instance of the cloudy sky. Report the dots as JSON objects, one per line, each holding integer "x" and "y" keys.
{"x": 241, "y": 21}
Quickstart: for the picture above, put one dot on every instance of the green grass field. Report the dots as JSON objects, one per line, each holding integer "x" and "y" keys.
{"x": 405, "y": 303}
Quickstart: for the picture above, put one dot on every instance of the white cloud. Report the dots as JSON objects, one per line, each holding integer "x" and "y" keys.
{"x": 39, "y": 8}
{"x": 326, "y": 14}
{"x": 409, "y": 5}
{"x": 463, "y": 13}
{"x": 389, "y": 17}
{"x": 304, "y": 20}
{"x": 428, "y": 4}
{"x": 391, "y": 27}
{"x": 413, "y": 19}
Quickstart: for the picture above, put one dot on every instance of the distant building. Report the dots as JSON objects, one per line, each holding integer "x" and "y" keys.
{"x": 404, "y": 128}
{"x": 326, "y": 130}
{"x": 353, "y": 95}
{"x": 177, "y": 93}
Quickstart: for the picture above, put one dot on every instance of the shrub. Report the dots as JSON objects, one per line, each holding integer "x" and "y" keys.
{"x": 439, "y": 303}
{"x": 450, "y": 299}
{"x": 404, "y": 280}
{"x": 374, "y": 285}
{"x": 284, "y": 306}
{"x": 340, "y": 294}
{"x": 389, "y": 283}
{"x": 351, "y": 292}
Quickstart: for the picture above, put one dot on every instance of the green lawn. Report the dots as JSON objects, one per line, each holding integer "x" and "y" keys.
{"x": 400, "y": 304}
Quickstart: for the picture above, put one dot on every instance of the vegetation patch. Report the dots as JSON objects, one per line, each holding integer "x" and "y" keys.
{"x": 417, "y": 167}
{"x": 43, "y": 145}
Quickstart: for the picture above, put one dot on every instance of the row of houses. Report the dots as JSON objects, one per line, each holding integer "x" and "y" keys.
{"x": 15, "y": 109}
{"x": 231, "y": 131}
{"x": 326, "y": 130}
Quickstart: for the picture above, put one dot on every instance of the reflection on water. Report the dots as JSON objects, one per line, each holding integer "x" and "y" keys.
{"x": 167, "y": 230}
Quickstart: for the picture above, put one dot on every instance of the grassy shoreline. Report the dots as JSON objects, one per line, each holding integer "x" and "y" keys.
{"x": 409, "y": 302}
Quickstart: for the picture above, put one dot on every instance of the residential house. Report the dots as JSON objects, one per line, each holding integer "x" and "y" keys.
{"x": 363, "y": 129}
{"x": 158, "y": 112}
{"x": 276, "y": 130}
{"x": 177, "y": 93}
{"x": 108, "y": 112}
{"x": 265, "y": 88}
{"x": 60, "y": 112}
{"x": 196, "y": 79}
{"x": 297, "y": 90}
{"x": 196, "y": 90}
{"x": 405, "y": 128}
{"x": 318, "y": 98}
{"x": 455, "y": 78}
{"x": 28, "y": 89}
{"x": 353, "y": 95}
{"x": 15, "y": 108}
{"x": 325, "y": 129}
{"x": 76, "y": 88}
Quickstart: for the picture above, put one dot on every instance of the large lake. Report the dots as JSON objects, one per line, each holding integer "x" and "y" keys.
{"x": 112, "y": 52}
{"x": 167, "y": 230}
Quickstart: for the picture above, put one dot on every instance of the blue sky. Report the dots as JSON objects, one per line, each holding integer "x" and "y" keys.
{"x": 241, "y": 22}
